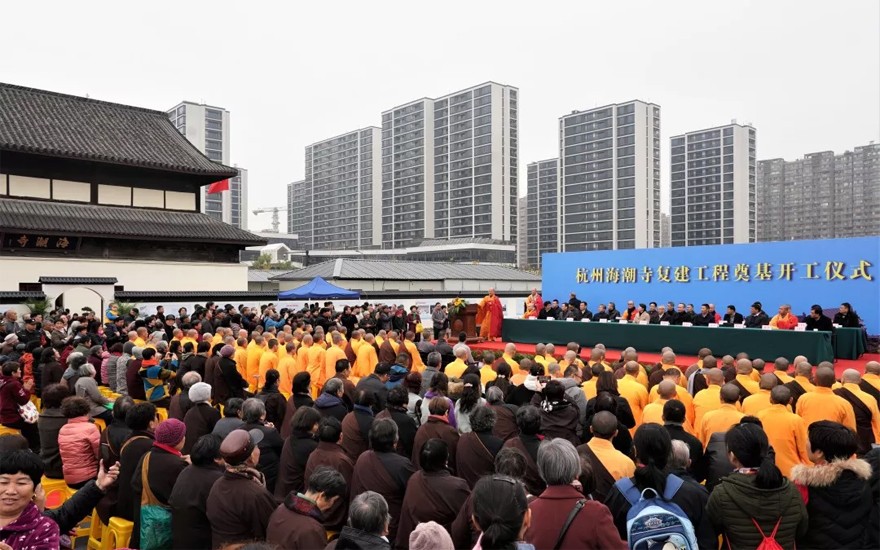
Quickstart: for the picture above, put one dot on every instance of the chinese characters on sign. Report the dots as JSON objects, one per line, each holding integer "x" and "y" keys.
{"x": 54, "y": 243}
{"x": 829, "y": 271}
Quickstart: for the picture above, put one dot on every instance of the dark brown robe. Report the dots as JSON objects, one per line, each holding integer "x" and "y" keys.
{"x": 356, "y": 433}
{"x": 430, "y": 496}
{"x": 439, "y": 428}
{"x": 796, "y": 392}
{"x": 350, "y": 353}
{"x": 864, "y": 429}
{"x": 743, "y": 392}
{"x": 213, "y": 376}
{"x": 602, "y": 480}
{"x": 387, "y": 353}
{"x": 505, "y": 422}
{"x": 532, "y": 479}
{"x": 348, "y": 389}
{"x": 386, "y": 474}
{"x": 333, "y": 456}
{"x": 473, "y": 459}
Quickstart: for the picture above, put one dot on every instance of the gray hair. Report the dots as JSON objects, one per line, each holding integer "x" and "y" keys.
{"x": 483, "y": 419}
{"x": 252, "y": 410}
{"x": 461, "y": 351}
{"x": 369, "y": 512}
{"x": 333, "y": 386}
{"x": 558, "y": 462}
{"x": 434, "y": 359}
{"x": 494, "y": 395}
{"x": 681, "y": 455}
{"x": 553, "y": 368}
{"x": 190, "y": 378}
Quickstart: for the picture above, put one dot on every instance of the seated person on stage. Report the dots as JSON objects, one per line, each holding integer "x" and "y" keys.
{"x": 681, "y": 316}
{"x": 703, "y": 318}
{"x": 601, "y": 314}
{"x": 846, "y": 317}
{"x": 732, "y": 317}
{"x": 757, "y": 318}
{"x": 662, "y": 316}
{"x": 785, "y": 319}
{"x": 817, "y": 320}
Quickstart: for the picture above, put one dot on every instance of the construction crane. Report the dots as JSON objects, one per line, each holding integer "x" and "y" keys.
{"x": 274, "y": 210}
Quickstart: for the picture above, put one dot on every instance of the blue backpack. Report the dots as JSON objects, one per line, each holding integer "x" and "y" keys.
{"x": 653, "y": 522}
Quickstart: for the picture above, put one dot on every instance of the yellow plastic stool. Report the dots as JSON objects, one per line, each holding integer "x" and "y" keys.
{"x": 99, "y": 422}
{"x": 57, "y": 492}
{"x": 96, "y": 532}
{"x": 162, "y": 414}
{"x": 4, "y": 430}
{"x": 117, "y": 534}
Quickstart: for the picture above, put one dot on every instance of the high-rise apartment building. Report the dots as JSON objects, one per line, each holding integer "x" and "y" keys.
{"x": 207, "y": 128}
{"x": 521, "y": 239}
{"x": 449, "y": 167}
{"x": 297, "y": 212}
{"x": 713, "y": 186}
{"x": 238, "y": 199}
{"x": 821, "y": 196}
{"x": 339, "y": 203}
{"x": 665, "y": 230}
{"x": 609, "y": 178}
{"x": 541, "y": 224}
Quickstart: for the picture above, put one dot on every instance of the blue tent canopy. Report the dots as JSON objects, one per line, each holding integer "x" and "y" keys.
{"x": 319, "y": 289}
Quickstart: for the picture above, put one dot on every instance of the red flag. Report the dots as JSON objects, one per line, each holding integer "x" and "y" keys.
{"x": 218, "y": 186}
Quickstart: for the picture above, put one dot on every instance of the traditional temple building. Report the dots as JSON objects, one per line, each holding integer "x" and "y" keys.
{"x": 98, "y": 198}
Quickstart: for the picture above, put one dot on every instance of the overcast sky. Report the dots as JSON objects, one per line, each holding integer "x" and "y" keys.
{"x": 806, "y": 74}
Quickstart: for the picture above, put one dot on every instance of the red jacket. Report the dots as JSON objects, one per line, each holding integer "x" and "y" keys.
{"x": 592, "y": 528}
{"x": 12, "y": 394}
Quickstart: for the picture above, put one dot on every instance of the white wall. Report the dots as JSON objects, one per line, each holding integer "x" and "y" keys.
{"x": 453, "y": 286}
{"x": 133, "y": 274}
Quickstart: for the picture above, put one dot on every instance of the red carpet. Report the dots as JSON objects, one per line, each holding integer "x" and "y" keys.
{"x": 681, "y": 360}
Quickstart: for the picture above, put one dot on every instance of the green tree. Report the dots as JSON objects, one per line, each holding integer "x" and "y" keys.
{"x": 263, "y": 261}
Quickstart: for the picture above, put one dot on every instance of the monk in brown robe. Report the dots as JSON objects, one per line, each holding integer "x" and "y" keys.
{"x": 356, "y": 425}
{"x": 329, "y": 453}
{"x": 475, "y": 456}
{"x": 383, "y": 470}
{"x": 437, "y": 426}
{"x": 505, "y": 415}
{"x": 389, "y": 348}
{"x": 432, "y": 494}
{"x": 528, "y": 420}
{"x": 296, "y": 451}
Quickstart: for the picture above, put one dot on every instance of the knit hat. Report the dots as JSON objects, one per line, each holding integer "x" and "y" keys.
{"x": 200, "y": 392}
{"x": 430, "y": 536}
{"x": 227, "y": 351}
{"x": 170, "y": 432}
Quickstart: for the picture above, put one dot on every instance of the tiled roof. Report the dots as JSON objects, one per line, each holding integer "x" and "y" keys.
{"x": 8, "y": 295}
{"x": 195, "y": 296}
{"x": 78, "y": 280}
{"x": 114, "y": 221}
{"x": 67, "y": 126}
{"x": 414, "y": 271}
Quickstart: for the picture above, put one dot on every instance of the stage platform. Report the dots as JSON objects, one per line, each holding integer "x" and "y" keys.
{"x": 683, "y": 361}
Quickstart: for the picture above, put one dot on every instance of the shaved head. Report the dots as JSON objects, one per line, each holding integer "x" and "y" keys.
{"x": 539, "y": 349}
{"x": 596, "y": 354}
{"x": 604, "y": 425}
{"x": 631, "y": 367}
{"x": 780, "y": 395}
{"x": 758, "y": 364}
{"x": 715, "y": 377}
{"x": 799, "y": 359}
{"x": 825, "y": 377}
{"x": 666, "y": 389}
{"x": 709, "y": 362}
{"x": 668, "y": 358}
{"x": 510, "y": 349}
{"x": 550, "y": 349}
{"x": 743, "y": 366}
{"x": 781, "y": 363}
{"x": 872, "y": 367}
{"x": 728, "y": 360}
{"x": 851, "y": 376}
{"x": 803, "y": 369}
{"x": 570, "y": 356}
{"x": 729, "y": 393}
{"x": 768, "y": 381}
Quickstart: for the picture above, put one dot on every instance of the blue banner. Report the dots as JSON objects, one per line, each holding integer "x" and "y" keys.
{"x": 800, "y": 273}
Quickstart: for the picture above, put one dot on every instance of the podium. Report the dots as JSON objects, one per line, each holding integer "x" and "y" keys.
{"x": 465, "y": 321}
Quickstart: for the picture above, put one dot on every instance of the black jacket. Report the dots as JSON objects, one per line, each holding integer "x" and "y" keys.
{"x": 701, "y": 320}
{"x": 757, "y": 320}
{"x": 355, "y": 539}
{"x": 292, "y": 465}
{"x": 680, "y": 317}
{"x": 848, "y": 320}
{"x": 729, "y": 320}
{"x": 822, "y": 323}
{"x": 270, "y": 452}
{"x": 190, "y": 527}
{"x": 233, "y": 378}
{"x": 76, "y": 508}
{"x": 697, "y": 468}
{"x": 839, "y": 503}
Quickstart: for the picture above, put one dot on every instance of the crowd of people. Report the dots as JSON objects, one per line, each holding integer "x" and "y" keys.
{"x": 261, "y": 428}
{"x": 683, "y": 314}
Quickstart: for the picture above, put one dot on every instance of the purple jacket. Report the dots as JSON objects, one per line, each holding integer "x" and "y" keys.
{"x": 31, "y": 531}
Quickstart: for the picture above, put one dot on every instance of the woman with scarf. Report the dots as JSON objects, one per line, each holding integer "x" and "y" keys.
{"x": 158, "y": 471}
{"x": 22, "y": 525}
{"x": 439, "y": 388}
{"x": 559, "y": 416}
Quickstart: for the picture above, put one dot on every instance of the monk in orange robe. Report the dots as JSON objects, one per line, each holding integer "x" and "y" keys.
{"x": 489, "y": 316}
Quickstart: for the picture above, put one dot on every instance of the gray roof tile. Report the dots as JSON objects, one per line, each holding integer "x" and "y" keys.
{"x": 61, "y": 280}
{"x": 417, "y": 271}
{"x": 115, "y": 221}
{"x": 67, "y": 126}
